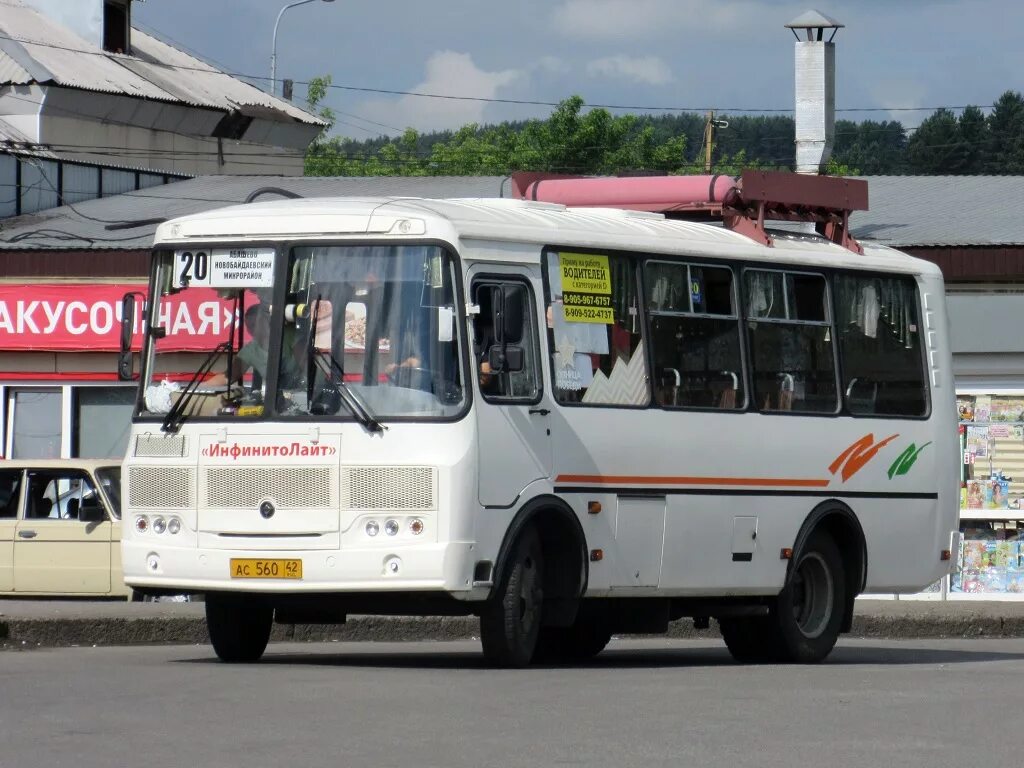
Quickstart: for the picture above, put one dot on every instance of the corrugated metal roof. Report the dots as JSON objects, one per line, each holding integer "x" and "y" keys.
{"x": 40, "y": 51}
{"x": 906, "y": 211}
{"x": 84, "y": 224}
{"x": 942, "y": 211}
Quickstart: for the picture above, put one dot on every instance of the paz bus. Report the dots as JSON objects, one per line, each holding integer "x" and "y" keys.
{"x": 596, "y": 408}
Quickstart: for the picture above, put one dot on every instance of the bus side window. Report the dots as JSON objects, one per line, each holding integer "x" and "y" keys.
{"x": 695, "y": 336}
{"x": 879, "y": 324}
{"x": 790, "y": 339}
{"x": 595, "y": 334}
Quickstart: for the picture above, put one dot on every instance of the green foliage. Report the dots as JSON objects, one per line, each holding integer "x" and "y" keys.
{"x": 575, "y": 139}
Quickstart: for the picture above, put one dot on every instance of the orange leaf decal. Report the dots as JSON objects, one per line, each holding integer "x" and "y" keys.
{"x": 858, "y": 454}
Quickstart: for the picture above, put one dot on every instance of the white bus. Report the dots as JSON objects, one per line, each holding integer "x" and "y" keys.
{"x": 569, "y": 421}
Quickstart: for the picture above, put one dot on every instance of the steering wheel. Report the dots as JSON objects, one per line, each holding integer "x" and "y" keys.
{"x": 412, "y": 377}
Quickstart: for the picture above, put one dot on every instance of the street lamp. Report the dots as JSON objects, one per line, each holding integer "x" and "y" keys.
{"x": 273, "y": 50}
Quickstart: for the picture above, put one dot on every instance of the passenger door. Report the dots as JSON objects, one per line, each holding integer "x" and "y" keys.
{"x": 63, "y": 540}
{"x": 10, "y": 501}
{"x": 512, "y": 408}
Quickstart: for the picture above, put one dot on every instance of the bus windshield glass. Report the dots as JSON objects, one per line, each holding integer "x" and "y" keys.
{"x": 357, "y": 332}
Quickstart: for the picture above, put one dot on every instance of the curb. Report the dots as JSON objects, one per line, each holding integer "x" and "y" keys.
{"x": 26, "y": 633}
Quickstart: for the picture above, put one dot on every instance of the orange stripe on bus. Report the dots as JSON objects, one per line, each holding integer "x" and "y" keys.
{"x": 774, "y": 482}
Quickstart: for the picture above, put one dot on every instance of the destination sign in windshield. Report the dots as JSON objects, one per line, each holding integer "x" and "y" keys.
{"x": 225, "y": 267}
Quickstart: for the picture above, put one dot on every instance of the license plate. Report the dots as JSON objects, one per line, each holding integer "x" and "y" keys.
{"x": 258, "y": 568}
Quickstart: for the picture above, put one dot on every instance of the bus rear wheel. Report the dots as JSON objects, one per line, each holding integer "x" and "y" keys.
{"x": 239, "y": 627}
{"x": 510, "y": 620}
{"x": 803, "y": 624}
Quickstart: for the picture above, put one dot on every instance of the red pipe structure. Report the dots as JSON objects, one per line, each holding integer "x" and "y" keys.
{"x": 743, "y": 205}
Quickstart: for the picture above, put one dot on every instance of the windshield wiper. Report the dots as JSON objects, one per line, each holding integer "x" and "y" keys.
{"x": 176, "y": 416}
{"x": 334, "y": 374}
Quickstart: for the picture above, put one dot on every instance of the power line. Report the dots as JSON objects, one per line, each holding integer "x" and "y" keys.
{"x": 492, "y": 100}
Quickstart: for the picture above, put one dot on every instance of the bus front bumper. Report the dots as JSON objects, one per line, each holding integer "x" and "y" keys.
{"x": 446, "y": 567}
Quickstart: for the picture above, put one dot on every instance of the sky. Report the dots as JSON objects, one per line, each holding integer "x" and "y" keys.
{"x": 647, "y": 56}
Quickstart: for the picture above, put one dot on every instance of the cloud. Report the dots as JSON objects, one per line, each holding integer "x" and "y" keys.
{"x": 447, "y": 73}
{"x": 639, "y": 19}
{"x": 647, "y": 69}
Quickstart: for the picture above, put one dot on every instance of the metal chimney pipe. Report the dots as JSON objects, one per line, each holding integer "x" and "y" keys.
{"x": 815, "y": 66}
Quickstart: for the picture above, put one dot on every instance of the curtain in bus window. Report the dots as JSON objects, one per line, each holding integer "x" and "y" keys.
{"x": 789, "y": 334}
{"x": 695, "y": 336}
{"x": 594, "y": 330}
{"x": 879, "y": 345}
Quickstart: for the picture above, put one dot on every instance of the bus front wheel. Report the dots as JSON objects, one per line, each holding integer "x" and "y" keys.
{"x": 804, "y": 623}
{"x": 510, "y": 620}
{"x": 239, "y": 627}
{"x": 582, "y": 641}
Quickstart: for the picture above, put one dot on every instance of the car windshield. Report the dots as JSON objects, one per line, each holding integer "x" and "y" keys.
{"x": 110, "y": 479}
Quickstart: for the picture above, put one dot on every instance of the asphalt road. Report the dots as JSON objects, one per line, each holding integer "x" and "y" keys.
{"x": 641, "y": 703}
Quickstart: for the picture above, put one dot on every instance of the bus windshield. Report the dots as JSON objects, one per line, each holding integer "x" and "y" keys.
{"x": 357, "y": 332}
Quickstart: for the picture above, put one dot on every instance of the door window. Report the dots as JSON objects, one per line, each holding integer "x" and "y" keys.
{"x": 505, "y": 342}
{"x": 61, "y": 496}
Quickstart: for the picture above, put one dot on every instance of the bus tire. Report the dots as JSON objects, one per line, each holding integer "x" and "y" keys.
{"x": 239, "y": 627}
{"x": 808, "y": 613}
{"x": 751, "y": 639}
{"x": 582, "y": 641}
{"x": 510, "y": 620}
{"x": 804, "y": 623}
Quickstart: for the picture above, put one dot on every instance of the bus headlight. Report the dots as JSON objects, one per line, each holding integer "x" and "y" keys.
{"x": 141, "y": 524}
{"x": 391, "y": 527}
{"x": 372, "y": 528}
{"x": 173, "y": 525}
{"x": 415, "y": 526}
{"x": 159, "y": 525}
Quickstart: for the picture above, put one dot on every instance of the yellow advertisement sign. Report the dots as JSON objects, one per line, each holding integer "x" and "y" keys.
{"x": 585, "y": 273}
{"x": 586, "y": 288}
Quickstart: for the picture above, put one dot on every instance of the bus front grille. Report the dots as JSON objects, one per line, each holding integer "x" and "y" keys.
{"x": 388, "y": 488}
{"x": 160, "y": 487}
{"x": 288, "y": 487}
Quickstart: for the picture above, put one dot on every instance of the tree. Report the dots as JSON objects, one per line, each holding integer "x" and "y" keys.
{"x": 1005, "y": 145}
{"x": 937, "y": 146}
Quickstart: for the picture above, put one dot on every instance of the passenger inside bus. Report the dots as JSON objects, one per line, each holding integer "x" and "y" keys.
{"x": 484, "y": 339}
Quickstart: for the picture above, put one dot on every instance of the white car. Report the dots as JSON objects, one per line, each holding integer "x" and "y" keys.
{"x": 60, "y": 529}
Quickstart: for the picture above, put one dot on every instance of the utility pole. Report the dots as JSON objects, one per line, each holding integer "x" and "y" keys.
{"x": 709, "y": 137}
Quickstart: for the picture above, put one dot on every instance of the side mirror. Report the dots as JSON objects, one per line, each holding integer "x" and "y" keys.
{"x": 92, "y": 513}
{"x": 125, "y": 358}
{"x": 508, "y": 313}
{"x": 507, "y": 357}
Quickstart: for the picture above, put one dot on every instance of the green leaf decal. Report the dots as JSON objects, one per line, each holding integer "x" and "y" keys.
{"x": 906, "y": 460}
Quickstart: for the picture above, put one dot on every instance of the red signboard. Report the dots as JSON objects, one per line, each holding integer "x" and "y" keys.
{"x": 87, "y": 318}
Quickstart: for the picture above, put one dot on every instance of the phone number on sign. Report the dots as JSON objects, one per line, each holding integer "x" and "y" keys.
{"x": 589, "y": 315}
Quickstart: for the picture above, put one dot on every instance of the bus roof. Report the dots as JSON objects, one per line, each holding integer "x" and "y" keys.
{"x": 497, "y": 220}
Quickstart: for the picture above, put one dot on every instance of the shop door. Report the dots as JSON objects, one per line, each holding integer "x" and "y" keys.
{"x": 62, "y": 543}
{"x": 513, "y": 411}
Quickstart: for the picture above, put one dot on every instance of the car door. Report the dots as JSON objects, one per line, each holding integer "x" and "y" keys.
{"x": 108, "y": 480}
{"x": 62, "y": 544}
{"x": 10, "y": 501}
